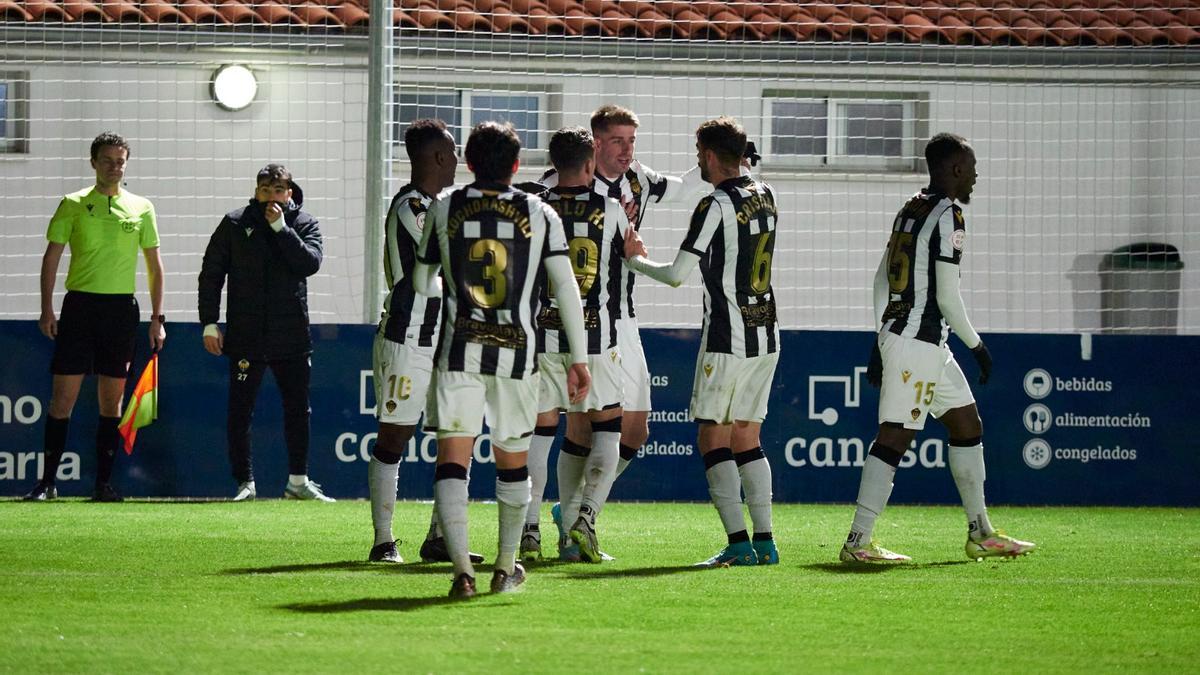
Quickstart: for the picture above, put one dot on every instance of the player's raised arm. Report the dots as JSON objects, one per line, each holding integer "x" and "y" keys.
{"x": 705, "y": 221}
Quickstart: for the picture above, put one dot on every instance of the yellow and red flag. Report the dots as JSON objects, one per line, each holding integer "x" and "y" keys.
{"x": 143, "y": 405}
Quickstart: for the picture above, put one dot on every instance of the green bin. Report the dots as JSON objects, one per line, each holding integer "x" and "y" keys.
{"x": 1139, "y": 288}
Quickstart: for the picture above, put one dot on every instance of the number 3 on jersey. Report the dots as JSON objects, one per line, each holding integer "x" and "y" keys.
{"x": 488, "y": 273}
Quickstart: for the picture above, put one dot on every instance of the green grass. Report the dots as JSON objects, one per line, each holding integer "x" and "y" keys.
{"x": 280, "y": 587}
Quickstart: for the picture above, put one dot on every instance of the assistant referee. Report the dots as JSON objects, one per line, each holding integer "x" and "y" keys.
{"x": 104, "y": 226}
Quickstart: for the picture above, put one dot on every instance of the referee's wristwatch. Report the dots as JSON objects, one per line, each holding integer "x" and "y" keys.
{"x": 162, "y": 319}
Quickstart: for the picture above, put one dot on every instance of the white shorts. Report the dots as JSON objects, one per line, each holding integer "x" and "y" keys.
{"x": 607, "y": 390}
{"x": 464, "y": 400}
{"x": 633, "y": 365}
{"x": 919, "y": 379}
{"x": 401, "y": 379}
{"x": 729, "y": 388}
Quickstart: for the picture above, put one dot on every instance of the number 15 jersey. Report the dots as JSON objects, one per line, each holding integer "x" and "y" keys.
{"x": 733, "y": 232}
{"x": 930, "y": 228}
{"x": 490, "y": 240}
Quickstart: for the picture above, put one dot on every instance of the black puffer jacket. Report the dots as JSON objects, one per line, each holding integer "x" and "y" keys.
{"x": 267, "y": 311}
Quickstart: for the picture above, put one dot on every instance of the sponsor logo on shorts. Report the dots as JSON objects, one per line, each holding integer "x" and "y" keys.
{"x": 905, "y": 375}
{"x": 708, "y": 370}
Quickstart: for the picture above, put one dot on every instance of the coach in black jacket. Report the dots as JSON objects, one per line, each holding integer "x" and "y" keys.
{"x": 267, "y": 250}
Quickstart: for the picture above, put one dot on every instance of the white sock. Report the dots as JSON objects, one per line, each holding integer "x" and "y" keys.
{"x": 450, "y": 496}
{"x": 756, "y": 482}
{"x": 570, "y": 486}
{"x": 966, "y": 465}
{"x": 538, "y": 460}
{"x": 297, "y": 479}
{"x": 725, "y": 489}
{"x": 874, "y": 489}
{"x": 435, "y": 529}
{"x": 513, "y": 499}
{"x": 624, "y": 462}
{"x": 381, "y": 479}
{"x": 600, "y": 470}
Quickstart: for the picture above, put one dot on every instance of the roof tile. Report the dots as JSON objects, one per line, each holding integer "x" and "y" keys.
{"x": 1153, "y": 23}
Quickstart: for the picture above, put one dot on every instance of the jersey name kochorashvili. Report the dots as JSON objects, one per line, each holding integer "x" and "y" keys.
{"x": 404, "y": 307}
{"x": 490, "y": 240}
{"x": 733, "y": 232}
{"x": 930, "y": 228}
{"x": 635, "y": 189}
{"x": 595, "y": 229}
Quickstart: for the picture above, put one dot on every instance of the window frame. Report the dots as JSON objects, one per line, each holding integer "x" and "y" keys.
{"x": 914, "y": 127}
{"x": 532, "y": 156}
{"x": 15, "y": 141}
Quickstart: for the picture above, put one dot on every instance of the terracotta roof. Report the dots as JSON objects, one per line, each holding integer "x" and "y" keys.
{"x": 967, "y": 22}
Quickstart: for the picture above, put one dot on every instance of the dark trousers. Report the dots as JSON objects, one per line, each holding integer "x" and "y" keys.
{"x": 245, "y": 376}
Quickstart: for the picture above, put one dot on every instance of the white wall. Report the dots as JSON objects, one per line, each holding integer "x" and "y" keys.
{"x": 1072, "y": 163}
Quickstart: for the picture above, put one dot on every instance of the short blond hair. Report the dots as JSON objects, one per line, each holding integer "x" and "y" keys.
{"x": 610, "y": 115}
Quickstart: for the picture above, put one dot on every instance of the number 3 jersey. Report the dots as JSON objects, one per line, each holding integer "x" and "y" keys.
{"x": 405, "y": 308}
{"x": 595, "y": 228}
{"x": 490, "y": 240}
{"x": 930, "y": 228}
{"x": 733, "y": 232}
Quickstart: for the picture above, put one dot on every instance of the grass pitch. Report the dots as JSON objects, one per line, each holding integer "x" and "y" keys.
{"x": 281, "y": 587}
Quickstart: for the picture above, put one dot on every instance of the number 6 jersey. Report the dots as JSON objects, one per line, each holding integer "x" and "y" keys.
{"x": 490, "y": 240}
{"x": 733, "y": 232}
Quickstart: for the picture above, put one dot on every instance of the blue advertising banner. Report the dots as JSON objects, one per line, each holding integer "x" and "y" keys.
{"x": 1067, "y": 419}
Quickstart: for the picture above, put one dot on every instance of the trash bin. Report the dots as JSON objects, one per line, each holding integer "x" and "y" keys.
{"x": 1139, "y": 289}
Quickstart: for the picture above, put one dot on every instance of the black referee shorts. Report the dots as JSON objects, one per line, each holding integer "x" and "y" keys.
{"x": 96, "y": 334}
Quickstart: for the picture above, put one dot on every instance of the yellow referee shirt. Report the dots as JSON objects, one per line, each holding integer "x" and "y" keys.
{"x": 104, "y": 234}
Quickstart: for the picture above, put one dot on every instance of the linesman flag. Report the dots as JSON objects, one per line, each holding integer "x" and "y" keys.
{"x": 143, "y": 405}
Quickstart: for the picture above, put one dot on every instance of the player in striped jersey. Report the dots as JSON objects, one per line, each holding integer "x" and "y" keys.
{"x": 732, "y": 239}
{"x": 407, "y": 334}
{"x": 595, "y": 227}
{"x": 916, "y": 296}
{"x": 494, "y": 242}
{"x": 635, "y": 186}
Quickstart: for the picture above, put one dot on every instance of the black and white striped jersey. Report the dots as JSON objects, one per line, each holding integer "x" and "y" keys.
{"x": 635, "y": 190}
{"x": 930, "y": 228}
{"x": 595, "y": 229}
{"x": 733, "y": 232}
{"x": 404, "y": 307}
{"x": 490, "y": 240}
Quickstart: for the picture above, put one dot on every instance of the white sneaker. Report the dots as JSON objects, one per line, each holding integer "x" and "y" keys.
{"x": 308, "y": 491}
{"x": 872, "y": 554}
{"x": 245, "y": 492}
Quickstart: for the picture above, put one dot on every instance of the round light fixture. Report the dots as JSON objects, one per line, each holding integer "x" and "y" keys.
{"x": 233, "y": 87}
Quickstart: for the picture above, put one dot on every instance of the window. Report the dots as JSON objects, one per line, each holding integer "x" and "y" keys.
{"x": 843, "y": 131}
{"x": 463, "y": 109}
{"x": 14, "y": 113}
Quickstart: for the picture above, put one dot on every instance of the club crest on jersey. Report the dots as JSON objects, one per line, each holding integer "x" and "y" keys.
{"x": 958, "y": 239}
{"x": 243, "y": 365}
{"x": 708, "y": 370}
{"x": 916, "y": 412}
{"x": 90, "y": 207}
{"x": 128, "y": 226}
{"x": 905, "y": 375}
{"x": 420, "y": 221}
